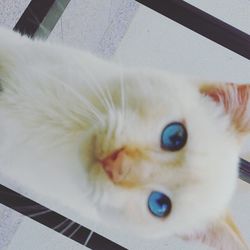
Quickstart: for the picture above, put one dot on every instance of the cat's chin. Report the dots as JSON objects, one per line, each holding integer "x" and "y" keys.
{"x": 143, "y": 229}
{"x": 146, "y": 230}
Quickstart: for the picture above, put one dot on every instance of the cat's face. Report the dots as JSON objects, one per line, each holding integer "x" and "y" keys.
{"x": 161, "y": 157}
{"x": 166, "y": 163}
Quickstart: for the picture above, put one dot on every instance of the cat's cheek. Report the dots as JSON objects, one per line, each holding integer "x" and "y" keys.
{"x": 119, "y": 206}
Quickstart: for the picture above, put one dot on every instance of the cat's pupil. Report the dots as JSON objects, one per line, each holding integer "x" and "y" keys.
{"x": 159, "y": 204}
{"x": 173, "y": 137}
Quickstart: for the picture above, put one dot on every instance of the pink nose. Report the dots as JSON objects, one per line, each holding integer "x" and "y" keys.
{"x": 112, "y": 165}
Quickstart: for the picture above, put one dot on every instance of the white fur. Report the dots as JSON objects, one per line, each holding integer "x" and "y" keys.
{"x": 54, "y": 125}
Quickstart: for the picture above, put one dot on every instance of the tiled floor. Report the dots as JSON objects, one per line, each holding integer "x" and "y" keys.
{"x": 117, "y": 29}
{"x": 39, "y": 237}
{"x": 233, "y": 12}
{"x": 10, "y": 11}
{"x": 97, "y": 26}
{"x": 171, "y": 46}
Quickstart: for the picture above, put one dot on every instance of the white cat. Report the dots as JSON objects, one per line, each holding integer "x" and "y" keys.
{"x": 152, "y": 153}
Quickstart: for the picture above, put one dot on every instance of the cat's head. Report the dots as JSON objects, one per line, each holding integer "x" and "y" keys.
{"x": 166, "y": 158}
{"x": 161, "y": 152}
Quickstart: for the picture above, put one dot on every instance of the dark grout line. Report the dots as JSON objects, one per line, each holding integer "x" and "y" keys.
{"x": 33, "y": 16}
{"x": 52, "y": 18}
{"x": 244, "y": 170}
{"x": 203, "y": 23}
{"x": 40, "y": 17}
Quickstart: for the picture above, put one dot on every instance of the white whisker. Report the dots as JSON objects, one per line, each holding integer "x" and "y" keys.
{"x": 60, "y": 224}
{"x": 40, "y": 213}
{"x": 86, "y": 102}
{"x": 68, "y": 227}
{"x": 101, "y": 95}
{"x": 110, "y": 99}
{"x": 91, "y": 109}
{"x": 74, "y": 232}
{"x": 122, "y": 88}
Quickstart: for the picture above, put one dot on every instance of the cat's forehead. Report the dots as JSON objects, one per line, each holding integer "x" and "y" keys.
{"x": 161, "y": 84}
{"x": 159, "y": 93}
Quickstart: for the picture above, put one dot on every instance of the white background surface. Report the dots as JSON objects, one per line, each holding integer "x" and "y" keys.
{"x": 233, "y": 12}
{"x": 10, "y": 11}
{"x": 135, "y": 35}
{"x": 162, "y": 43}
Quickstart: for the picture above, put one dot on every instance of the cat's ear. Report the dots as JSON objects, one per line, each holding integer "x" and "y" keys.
{"x": 223, "y": 235}
{"x": 236, "y": 101}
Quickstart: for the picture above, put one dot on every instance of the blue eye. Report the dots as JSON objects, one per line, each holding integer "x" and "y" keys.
{"x": 173, "y": 136}
{"x": 159, "y": 204}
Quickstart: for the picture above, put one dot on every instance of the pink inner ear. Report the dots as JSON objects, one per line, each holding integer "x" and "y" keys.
{"x": 235, "y": 99}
